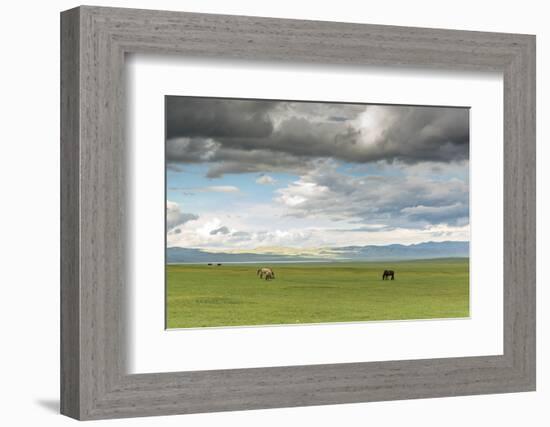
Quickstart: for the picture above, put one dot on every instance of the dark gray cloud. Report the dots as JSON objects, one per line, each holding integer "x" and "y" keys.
{"x": 221, "y": 230}
{"x": 217, "y": 118}
{"x": 175, "y": 217}
{"x": 377, "y": 202}
{"x": 236, "y": 136}
{"x": 453, "y": 214}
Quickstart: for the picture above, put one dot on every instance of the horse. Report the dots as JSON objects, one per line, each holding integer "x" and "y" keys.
{"x": 269, "y": 276}
{"x": 265, "y": 272}
{"x": 387, "y": 274}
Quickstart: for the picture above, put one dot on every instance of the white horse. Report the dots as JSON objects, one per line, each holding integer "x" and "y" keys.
{"x": 265, "y": 273}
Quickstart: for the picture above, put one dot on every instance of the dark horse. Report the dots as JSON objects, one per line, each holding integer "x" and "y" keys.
{"x": 387, "y": 274}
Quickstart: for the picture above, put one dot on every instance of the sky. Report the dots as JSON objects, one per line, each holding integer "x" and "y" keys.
{"x": 253, "y": 174}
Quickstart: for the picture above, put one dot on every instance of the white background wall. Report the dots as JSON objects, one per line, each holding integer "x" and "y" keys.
{"x": 29, "y": 238}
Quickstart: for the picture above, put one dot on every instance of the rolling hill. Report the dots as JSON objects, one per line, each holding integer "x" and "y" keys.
{"x": 424, "y": 250}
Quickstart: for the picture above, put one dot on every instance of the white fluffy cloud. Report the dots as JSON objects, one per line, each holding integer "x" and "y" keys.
{"x": 260, "y": 227}
{"x": 266, "y": 180}
{"x": 202, "y": 234}
{"x": 329, "y": 206}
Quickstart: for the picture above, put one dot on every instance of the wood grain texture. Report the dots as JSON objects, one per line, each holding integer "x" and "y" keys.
{"x": 70, "y": 291}
{"x": 94, "y": 382}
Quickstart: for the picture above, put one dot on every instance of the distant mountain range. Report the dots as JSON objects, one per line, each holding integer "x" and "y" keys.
{"x": 425, "y": 250}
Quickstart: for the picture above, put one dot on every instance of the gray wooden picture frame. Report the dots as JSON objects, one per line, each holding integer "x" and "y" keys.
{"x": 94, "y": 381}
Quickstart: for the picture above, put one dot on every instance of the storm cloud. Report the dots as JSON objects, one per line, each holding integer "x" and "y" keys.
{"x": 242, "y": 136}
{"x": 398, "y": 201}
{"x": 217, "y": 118}
{"x": 307, "y": 174}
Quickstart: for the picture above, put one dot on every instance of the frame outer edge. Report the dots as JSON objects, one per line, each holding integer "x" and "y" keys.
{"x": 527, "y": 150}
{"x": 90, "y": 365}
{"x": 520, "y": 216}
{"x": 532, "y": 185}
{"x": 70, "y": 396}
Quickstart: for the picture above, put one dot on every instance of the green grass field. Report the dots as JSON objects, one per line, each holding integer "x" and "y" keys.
{"x": 232, "y": 294}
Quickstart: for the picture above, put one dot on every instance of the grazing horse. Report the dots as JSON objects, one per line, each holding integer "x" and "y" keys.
{"x": 265, "y": 272}
{"x": 387, "y": 274}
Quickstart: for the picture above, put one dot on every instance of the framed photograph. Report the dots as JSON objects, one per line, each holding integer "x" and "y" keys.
{"x": 262, "y": 213}
{"x": 290, "y": 192}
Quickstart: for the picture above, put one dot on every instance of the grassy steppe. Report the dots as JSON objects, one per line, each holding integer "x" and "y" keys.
{"x": 232, "y": 294}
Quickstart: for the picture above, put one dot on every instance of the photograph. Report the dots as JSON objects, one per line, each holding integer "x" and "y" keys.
{"x": 295, "y": 212}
